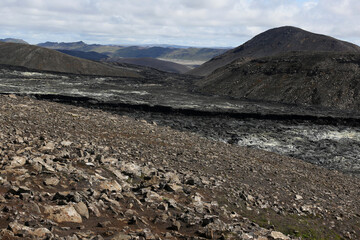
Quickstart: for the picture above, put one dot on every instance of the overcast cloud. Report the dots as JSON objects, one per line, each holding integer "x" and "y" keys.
{"x": 182, "y": 22}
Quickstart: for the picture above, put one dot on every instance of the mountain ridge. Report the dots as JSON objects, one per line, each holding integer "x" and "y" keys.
{"x": 38, "y": 58}
{"x": 140, "y": 51}
{"x": 319, "y": 79}
{"x": 166, "y": 66}
{"x": 13, "y": 40}
{"x": 276, "y": 41}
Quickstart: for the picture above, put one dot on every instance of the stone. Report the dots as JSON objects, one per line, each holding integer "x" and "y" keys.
{"x": 94, "y": 209}
{"x": 298, "y": 197}
{"x": 111, "y": 186}
{"x": 121, "y": 236}
{"x": 50, "y": 146}
{"x": 172, "y": 187}
{"x": 82, "y": 209}
{"x": 104, "y": 224}
{"x": 66, "y": 143}
{"x": 163, "y": 206}
{"x": 176, "y": 226}
{"x": 306, "y": 208}
{"x": 38, "y": 233}
{"x": 133, "y": 220}
{"x": 172, "y": 177}
{"x": 63, "y": 214}
{"x": 42, "y": 163}
{"x": 53, "y": 181}
{"x": 17, "y": 162}
{"x": 109, "y": 160}
{"x": 41, "y": 233}
{"x": 153, "y": 197}
{"x": 278, "y": 236}
{"x": 98, "y": 237}
{"x": 131, "y": 169}
{"x": 6, "y": 234}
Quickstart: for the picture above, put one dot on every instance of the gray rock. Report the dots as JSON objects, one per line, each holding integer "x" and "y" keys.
{"x": 82, "y": 209}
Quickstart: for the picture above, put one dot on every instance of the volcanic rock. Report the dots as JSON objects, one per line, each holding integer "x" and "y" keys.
{"x": 329, "y": 80}
{"x": 276, "y": 41}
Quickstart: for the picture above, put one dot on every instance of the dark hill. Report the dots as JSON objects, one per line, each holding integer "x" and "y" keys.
{"x": 276, "y": 41}
{"x": 38, "y": 58}
{"x": 94, "y": 56}
{"x": 321, "y": 79}
{"x": 156, "y": 63}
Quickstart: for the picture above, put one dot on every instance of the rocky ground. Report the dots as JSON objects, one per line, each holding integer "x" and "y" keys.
{"x": 75, "y": 173}
{"x": 334, "y": 146}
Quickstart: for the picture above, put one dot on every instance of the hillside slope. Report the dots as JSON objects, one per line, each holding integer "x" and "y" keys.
{"x": 74, "y": 173}
{"x": 155, "y": 63}
{"x": 276, "y": 41}
{"x": 322, "y": 79}
{"x": 38, "y": 58}
{"x": 94, "y": 56}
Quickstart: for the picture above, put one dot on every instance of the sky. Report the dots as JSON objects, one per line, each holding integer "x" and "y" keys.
{"x": 207, "y": 23}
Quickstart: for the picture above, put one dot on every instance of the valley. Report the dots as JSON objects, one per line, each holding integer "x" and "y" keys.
{"x": 303, "y": 133}
{"x": 259, "y": 142}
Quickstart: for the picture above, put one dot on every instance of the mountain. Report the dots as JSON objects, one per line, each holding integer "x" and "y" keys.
{"x": 80, "y": 46}
{"x": 13, "y": 40}
{"x": 94, "y": 56}
{"x": 155, "y": 63}
{"x": 170, "y": 52}
{"x": 141, "y": 52}
{"x": 320, "y": 79}
{"x": 202, "y": 54}
{"x": 276, "y": 41}
{"x": 63, "y": 45}
{"x": 38, "y": 58}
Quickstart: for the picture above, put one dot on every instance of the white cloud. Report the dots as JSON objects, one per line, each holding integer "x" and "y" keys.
{"x": 199, "y": 22}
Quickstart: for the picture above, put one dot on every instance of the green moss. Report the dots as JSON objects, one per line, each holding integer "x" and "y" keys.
{"x": 307, "y": 227}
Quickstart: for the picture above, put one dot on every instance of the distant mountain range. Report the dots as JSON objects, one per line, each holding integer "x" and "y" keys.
{"x": 13, "y": 40}
{"x": 276, "y": 41}
{"x": 180, "y": 53}
{"x": 198, "y": 54}
{"x": 287, "y": 65}
{"x": 38, "y": 58}
{"x": 94, "y": 56}
{"x": 80, "y": 46}
{"x": 155, "y": 63}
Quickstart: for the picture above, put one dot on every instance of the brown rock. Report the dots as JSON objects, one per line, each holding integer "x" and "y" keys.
{"x": 17, "y": 162}
{"x": 63, "y": 214}
{"x": 48, "y": 147}
{"x": 38, "y": 233}
{"x": 172, "y": 187}
{"x": 121, "y": 236}
{"x": 111, "y": 186}
{"x": 278, "y": 236}
{"x": 53, "y": 181}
